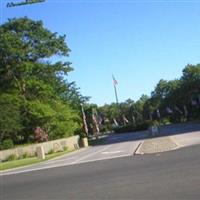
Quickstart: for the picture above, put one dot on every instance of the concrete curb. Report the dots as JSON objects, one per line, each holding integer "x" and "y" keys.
{"x": 137, "y": 151}
{"x": 177, "y": 144}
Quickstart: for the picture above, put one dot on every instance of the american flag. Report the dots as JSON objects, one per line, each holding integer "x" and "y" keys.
{"x": 114, "y": 81}
{"x": 94, "y": 118}
{"x": 158, "y": 113}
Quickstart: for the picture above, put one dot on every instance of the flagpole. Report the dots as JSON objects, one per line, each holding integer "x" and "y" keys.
{"x": 115, "y": 83}
{"x": 116, "y": 97}
{"x": 115, "y": 89}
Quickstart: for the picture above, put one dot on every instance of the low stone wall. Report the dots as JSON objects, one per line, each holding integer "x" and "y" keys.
{"x": 70, "y": 143}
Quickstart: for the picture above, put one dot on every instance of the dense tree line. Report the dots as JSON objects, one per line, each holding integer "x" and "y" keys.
{"x": 170, "y": 102}
{"x": 34, "y": 91}
{"x": 37, "y": 100}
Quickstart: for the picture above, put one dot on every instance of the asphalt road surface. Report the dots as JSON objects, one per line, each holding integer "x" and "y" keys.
{"x": 170, "y": 175}
{"x": 114, "y": 146}
{"x": 118, "y": 145}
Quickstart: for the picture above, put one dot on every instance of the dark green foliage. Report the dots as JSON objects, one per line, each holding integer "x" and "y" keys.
{"x": 124, "y": 129}
{"x": 12, "y": 157}
{"x": 7, "y": 144}
{"x": 65, "y": 148}
{"x": 34, "y": 92}
{"x": 96, "y": 141}
{"x": 83, "y": 135}
{"x": 175, "y": 94}
{"x": 51, "y": 151}
{"x": 10, "y": 117}
{"x": 132, "y": 128}
{"x": 25, "y": 155}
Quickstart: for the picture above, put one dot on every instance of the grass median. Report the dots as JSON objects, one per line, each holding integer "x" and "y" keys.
{"x": 29, "y": 161}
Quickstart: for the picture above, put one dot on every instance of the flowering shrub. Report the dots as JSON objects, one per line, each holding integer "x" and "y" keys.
{"x": 40, "y": 135}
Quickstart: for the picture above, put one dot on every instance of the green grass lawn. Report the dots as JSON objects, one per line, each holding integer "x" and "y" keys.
{"x": 28, "y": 161}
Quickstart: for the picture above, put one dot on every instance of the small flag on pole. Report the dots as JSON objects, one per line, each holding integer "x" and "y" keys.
{"x": 194, "y": 102}
{"x": 158, "y": 113}
{"x": 114, "y": 81}
{"x": 178, "y": 110}
{"x": 115, "y": 122}
{"x": 185, "y": 110}
{"x": 114, "y": 84}
{"x": 150, "y": 116}
{"x": 84, "y": 121}
{"x": 133, "y": 118}
{"x": 125, "y": 119}
{"x": 169, "y": 110}
{"x": 94, "y": 118}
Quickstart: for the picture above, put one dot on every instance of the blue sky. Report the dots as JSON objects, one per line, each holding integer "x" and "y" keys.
{"x": 139, "y": 42}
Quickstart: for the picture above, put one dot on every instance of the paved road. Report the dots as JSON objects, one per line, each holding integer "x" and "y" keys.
{"x": 118, "y": 145}
{"x": 170, "y": 175}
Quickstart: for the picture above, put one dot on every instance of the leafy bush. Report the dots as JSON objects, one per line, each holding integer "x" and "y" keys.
{"x": 12, "y": 157}
{"x": 65, "y": 148}
{"x": 153, "y": 123}
{"x": 10, "y": 118}
{"x": 83, "y": 135}
{"x": 132, "y": 128}
{"x": 126, "y": 128}
{"x": 51, "y": 151}
{"x": 51, "y": 103}
{"x": 165, "y": 121}
{"x": 60, "y": 150}
{"x": 7, "y": 144}
{"x": 25, "y": 155}
{"x": 143, "y": 126}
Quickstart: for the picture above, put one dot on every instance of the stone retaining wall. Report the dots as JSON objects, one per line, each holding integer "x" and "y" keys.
{"x": 55, "y": 145}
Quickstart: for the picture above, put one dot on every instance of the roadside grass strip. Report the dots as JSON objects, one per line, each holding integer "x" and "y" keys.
{"x": 29, "y": 161}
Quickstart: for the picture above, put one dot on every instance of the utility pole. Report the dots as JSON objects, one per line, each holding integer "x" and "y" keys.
{"x": 26, "y": 2}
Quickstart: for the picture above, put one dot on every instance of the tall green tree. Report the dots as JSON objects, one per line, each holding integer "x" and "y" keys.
{"x": 39, "y": 85}
{"x": 190, "y": 89}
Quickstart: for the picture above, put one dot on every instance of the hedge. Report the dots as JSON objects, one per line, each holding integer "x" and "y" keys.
{"x": 132, "y": 128}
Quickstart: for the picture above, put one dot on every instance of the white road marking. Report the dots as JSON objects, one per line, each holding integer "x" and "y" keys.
{"x": 111, "y": 152}
{"x": 106, "y": 158}
{"x": 91, "y": 154}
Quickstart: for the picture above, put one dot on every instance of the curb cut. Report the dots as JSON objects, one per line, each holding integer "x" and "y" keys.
{"x": 137, "y": 151}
